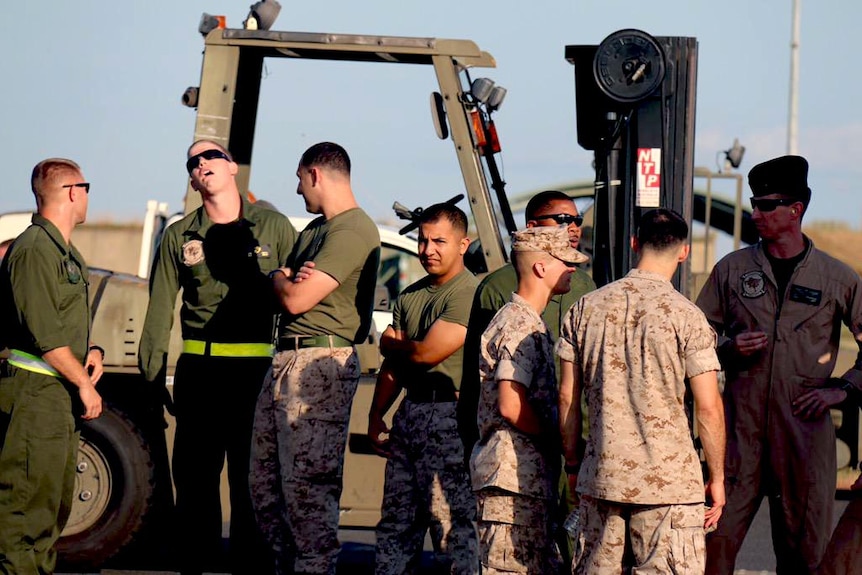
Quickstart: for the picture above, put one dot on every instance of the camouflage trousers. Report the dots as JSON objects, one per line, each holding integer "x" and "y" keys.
{"x": 516, "y": 533}
{"x": 614, "y": 537}
{"x": 297, "y": 460}
{"x": 427, "y": 488}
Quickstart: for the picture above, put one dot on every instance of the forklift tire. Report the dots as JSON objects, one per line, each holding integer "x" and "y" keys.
{"x": 114, "y": 489}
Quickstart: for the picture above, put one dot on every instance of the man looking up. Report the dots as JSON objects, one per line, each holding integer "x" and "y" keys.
{"x": 219, "y": 256}
{"x": 326, "y": 292}
{"x": 49, "y": 381}
{"x": 629, "y": 346}
{"x": 777, "y": 307}
{"x": 515, "y": 465}
{"x": 426, "y": 479}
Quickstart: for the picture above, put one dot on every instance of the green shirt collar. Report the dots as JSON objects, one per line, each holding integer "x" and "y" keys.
{"x": 52, "y": 231}
{"x": 201, "y": 223}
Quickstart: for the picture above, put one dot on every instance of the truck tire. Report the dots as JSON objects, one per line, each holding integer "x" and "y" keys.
{"x": 114, "y": 490}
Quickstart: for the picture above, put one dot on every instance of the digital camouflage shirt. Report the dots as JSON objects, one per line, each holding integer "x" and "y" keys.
{"x": 517, "y": 346}
{"x": 634, "y": 341}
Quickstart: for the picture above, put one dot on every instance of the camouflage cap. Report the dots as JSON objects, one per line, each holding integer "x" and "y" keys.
{"x": 551, "y": 239}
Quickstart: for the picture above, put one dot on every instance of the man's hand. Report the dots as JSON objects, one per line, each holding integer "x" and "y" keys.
{"x": 91, "y": 400}
{"x": 813, "y": 403}
{"x": 94, "y": 366}
{"x": 304, "y": 272}
{"x": 715, "y": 499}
{"x": 749, "y": 342}
{"x": 376, "y": 428}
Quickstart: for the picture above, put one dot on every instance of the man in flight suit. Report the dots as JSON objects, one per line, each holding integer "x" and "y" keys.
{"x": 50, "y": 377}
{"x": 220, "y": 256}
{"x": 777, "y": 307}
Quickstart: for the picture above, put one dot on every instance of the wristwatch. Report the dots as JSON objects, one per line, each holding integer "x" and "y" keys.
{"x": 271, "y": 275}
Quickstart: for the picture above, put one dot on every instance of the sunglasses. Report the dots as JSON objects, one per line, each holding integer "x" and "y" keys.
{"x": 195, "y": 160}
{"x": 85, "y": 185}
{"x": 768, "y": 205}
{"x": 562, "y": 219}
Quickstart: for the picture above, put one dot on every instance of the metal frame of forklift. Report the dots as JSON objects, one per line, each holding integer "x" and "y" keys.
{"x": 230, "y": 89}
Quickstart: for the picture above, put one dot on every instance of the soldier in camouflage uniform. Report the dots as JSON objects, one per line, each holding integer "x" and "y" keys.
{"x": 302, "y": 413}
{"x": 629, "y": 347}
{"x": 426, "y": 478}
{"x": 516, "y": 462}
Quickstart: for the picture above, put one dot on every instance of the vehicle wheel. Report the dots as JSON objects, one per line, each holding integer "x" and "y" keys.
{"x": 113, "y": 491}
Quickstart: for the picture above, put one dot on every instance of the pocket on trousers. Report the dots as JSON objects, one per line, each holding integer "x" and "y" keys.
{"x": 320, "y": 449}
{"x": 688, "y": 540}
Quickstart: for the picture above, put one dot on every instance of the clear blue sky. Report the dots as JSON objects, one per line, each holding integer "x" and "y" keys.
{"x": 100, "y": 82}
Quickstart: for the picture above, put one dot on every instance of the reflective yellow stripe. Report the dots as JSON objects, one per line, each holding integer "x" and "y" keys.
{"x": 30, "y": 362}
{"x": 194, "y": 346}
{"x": 197, "y": 347}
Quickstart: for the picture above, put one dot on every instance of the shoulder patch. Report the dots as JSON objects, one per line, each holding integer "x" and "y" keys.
{"x": 752, "y": 284}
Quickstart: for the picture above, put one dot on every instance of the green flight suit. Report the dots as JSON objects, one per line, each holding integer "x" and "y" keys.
{"x": 228, "y": 317}
{"x": 43, "y": 306}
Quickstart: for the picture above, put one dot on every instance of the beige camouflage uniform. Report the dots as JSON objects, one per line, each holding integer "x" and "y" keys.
{"x": 309, "y": 422}
{"x": 515, "y": 474}
{"x": 634, "y": 342}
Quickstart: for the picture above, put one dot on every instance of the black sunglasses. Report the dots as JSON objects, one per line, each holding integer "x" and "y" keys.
{"x": 768, "y": 205}
{"x": 85, "y": 185}
{"x": 195, "y": 160}
{"x": 562, "y": 219}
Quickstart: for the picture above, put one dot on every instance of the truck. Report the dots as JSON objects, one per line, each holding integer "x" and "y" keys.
{"x": 637, "y": 97}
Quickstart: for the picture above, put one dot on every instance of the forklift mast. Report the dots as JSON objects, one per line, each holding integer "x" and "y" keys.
{"x": 635, "y": 99}
{"x": 229, "y": 90}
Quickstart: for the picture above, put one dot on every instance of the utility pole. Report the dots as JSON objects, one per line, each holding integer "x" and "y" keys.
{"x": 793, "y": 114}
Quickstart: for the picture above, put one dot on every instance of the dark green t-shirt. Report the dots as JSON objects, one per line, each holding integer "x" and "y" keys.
{"x": 44, "y": 300}
{"x": 222, "y": 271}
{"x": 347, "y": 248}
{"x": 423, "y": 303}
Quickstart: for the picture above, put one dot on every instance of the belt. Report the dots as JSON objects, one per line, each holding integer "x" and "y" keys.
{"x": 431, "y": 394}
{"x": 198, "y": 347}
{"x": 294, "y": 342}
{"x": 31, "y": 362}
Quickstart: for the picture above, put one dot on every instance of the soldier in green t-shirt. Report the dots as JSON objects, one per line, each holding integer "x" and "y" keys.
{"x": 326, "y": 292}
{"x": 219, "y": 256}
{"x": 427, "y": 484}
{"x": 49, "y": 379}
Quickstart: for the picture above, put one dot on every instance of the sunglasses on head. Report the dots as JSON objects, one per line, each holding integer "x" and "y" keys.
{"x": 768, "y": 205}
{"x": 85, "y": 185}
{"x": 195, "y": 160}
{"x": 562, "y": 219}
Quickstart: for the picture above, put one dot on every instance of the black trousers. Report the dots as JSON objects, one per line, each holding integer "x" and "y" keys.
{"x": 214, "y": 399}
